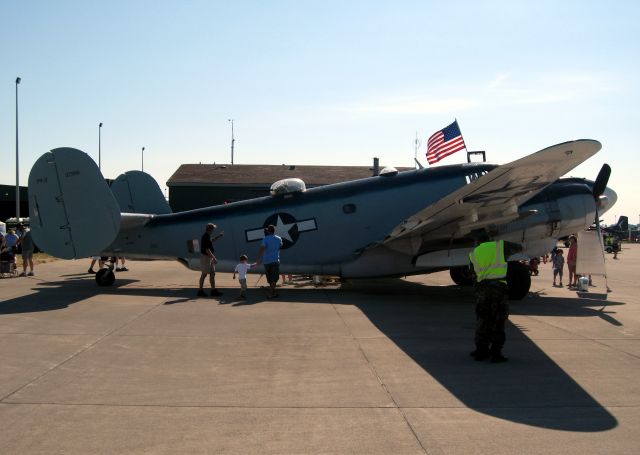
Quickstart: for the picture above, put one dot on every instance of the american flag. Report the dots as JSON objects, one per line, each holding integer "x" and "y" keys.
{"x": 444, "y": 143}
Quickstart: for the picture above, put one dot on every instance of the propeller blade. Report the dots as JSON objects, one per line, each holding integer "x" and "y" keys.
{"x": 601, "y": 181}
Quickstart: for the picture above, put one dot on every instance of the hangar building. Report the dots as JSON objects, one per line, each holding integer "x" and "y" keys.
{"x": 195, "y": 186}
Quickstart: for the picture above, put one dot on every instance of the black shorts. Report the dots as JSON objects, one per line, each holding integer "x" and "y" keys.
{"x": 272, "y": 271}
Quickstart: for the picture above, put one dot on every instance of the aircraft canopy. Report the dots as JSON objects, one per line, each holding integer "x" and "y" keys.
{"x": 287, "y": 186}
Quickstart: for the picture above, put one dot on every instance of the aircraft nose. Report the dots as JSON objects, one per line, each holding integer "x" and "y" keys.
{"x": 607, "y": 200}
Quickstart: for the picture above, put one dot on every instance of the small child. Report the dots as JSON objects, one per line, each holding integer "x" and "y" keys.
{"x": 558, "y": 265}
{"x": 241, "y": 270}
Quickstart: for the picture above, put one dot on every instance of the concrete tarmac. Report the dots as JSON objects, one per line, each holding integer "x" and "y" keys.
{"x": 378, "y": 367}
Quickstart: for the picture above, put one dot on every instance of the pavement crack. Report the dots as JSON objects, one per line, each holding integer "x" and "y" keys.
{"x": 77, "y": 353}
{"x": 374, "y": 371}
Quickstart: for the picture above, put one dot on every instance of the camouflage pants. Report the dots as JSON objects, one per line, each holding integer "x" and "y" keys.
{"x": 492, "y": 312}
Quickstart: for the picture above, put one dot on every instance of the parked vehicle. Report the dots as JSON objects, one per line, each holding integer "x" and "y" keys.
{"x": 612, "y": 244}
{"x": 12, "y": 223}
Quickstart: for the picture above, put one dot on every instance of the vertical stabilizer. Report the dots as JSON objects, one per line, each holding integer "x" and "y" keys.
{"x": 72, "y": 211}
{"x": 138, "y": 192}
{"x": 623, "y": 223}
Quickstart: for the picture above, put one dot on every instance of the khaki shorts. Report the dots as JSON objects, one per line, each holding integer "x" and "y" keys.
{"x": 27, "y": 254}
{"x": 207, "y": 265}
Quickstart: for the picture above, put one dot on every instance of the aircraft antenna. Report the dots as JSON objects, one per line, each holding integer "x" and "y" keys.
{"x": 417, "y": 143}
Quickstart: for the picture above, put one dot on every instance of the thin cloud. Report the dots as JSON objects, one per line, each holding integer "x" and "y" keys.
{"x": 411, "y": 106}
{"x": 499, "y": 80}
{"x": 547, "y": 88}
{"x": 504, "y": 89}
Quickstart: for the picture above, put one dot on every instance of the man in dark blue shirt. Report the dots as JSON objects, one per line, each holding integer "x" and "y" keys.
{"x": 208, "y": 261}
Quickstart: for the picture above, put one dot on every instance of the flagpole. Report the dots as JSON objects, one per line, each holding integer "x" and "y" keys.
{"x": 465, "y": 142}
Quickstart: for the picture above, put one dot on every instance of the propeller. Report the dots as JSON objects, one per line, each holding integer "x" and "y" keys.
{"x": 598, "y": 188}
{"x": 601, "y": 182}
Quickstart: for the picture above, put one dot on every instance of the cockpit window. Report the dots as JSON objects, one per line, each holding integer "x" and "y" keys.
{"x": 475, "y": 176}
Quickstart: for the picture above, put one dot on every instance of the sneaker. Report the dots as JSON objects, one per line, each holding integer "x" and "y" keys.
{"x": 124, "y": 269}
{"x": 91, "y": 271}
{"x": 30, "y": 274}
{"x": 201, "y": 293}
{"x": 498, "y": 358}
{"x": 479, "y": 355}
{"x": 23, "y": 274}
{"x": 118, "y": 269}
{"x": 215, "y": 293}
{"x": 561, "y": 285}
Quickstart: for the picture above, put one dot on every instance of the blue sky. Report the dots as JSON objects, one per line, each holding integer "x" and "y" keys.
{"x": 328, "y": 82}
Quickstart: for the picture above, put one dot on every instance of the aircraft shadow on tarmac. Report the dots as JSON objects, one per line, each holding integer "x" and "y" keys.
{"x": 434, "y": 326}
{"x": 56, "y": 295}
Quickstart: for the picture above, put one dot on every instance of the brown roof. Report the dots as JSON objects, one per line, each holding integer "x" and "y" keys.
{"x": 251, "y": 174}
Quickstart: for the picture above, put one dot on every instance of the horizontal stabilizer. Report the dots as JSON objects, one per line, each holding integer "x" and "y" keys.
{"x": 72, "y": 211}
{"x": 138, "y": 192}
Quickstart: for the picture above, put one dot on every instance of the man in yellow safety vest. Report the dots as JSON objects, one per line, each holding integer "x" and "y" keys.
{"x": 489, "y": 262}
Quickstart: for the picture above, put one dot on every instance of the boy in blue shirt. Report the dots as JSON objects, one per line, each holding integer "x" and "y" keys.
{"x": 558, "y": 265}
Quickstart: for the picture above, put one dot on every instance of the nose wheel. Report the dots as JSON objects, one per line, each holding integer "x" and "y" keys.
{"x": 462, "y": 276}
{"x": 105, "y": 277}
{"x": 518, "y": 279}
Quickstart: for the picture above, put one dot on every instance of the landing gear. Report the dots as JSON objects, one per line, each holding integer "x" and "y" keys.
{"x": 518, "y": 279}
{"x": 105, "y": 277}
{"x": 462, "y": 276}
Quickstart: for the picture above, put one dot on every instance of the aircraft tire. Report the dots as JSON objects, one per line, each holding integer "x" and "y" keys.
{"x": 462, "y": 276}
{"x": 519, "y": 280}
{"x": 105, "y": 277}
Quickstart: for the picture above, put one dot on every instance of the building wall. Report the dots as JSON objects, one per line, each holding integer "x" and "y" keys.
{"x": 8, "y": 202}
{"x": 183, "y": 198}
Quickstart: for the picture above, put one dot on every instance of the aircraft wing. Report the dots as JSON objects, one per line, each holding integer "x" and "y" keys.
{"x": 494, "y": 197}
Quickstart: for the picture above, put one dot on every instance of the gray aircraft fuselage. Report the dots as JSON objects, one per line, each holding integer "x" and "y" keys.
{"x": 336, "y": 229}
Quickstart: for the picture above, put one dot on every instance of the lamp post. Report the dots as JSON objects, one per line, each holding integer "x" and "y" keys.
{"x": 17, "y": 160}
{"x": 233, "y": 140}
{"x": 99, "y": 151}
{"x": 142, "y": 159}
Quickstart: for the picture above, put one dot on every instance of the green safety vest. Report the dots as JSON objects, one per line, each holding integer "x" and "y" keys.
{"x": 488, "y": 261}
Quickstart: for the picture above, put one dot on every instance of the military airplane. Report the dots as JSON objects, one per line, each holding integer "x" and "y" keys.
{"x": 621, "y": 229}
{"x": 394, "y": 224}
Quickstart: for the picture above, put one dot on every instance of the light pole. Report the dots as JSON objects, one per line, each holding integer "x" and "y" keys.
{"x": 233, "y": 140}
{"x": 99, "y": 151}
{"x": 142, "y": 159}
{"x": 17, "y": 160}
